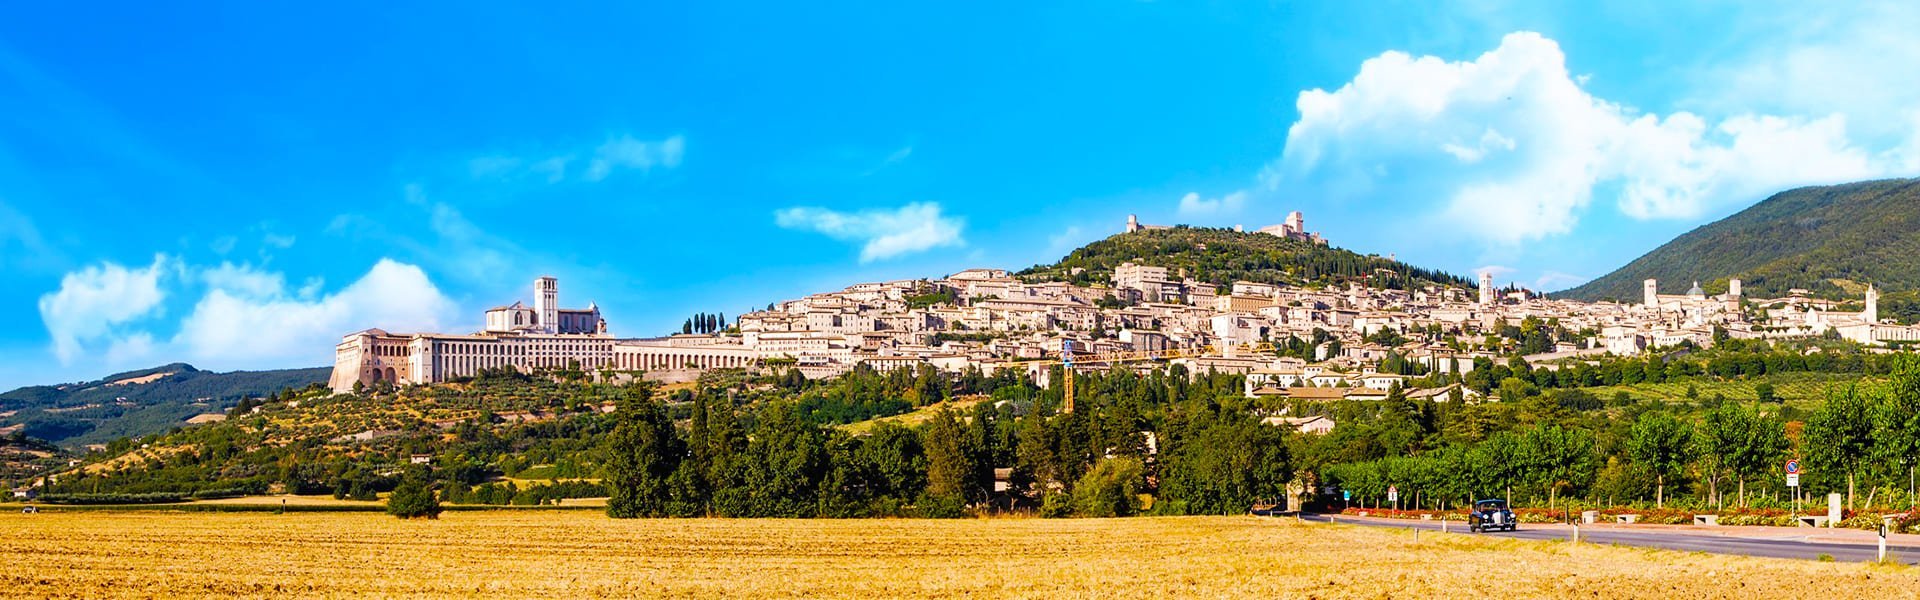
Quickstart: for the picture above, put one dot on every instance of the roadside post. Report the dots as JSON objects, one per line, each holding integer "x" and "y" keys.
{"x": 1833, "y": 509}
{"x": 1883, "y": 540}
{"x": 1393, "y": 496}
{"x": 1793, "y": 483}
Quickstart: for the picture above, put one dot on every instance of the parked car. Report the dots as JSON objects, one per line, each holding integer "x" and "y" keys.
{"x": 1491, "y": 515}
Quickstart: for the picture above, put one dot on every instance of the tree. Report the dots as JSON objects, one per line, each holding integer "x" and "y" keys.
{"x": 1763, "y": 393}
{"x": 1557, "y": 458}
{"x": 1499, "y": 463}
{"x": 413, "y": 500}
{"x": 1897, "y": 420}
{"x": 1224, "y": 463}
{"x": 951, "y": 473}
{"x": 1742, "y": 442}
{"x": 642, "y": 454}
{"x": 1662, "y": 444}
{"x": 1840, "y": 437}
{"x": 1111, "y": 489}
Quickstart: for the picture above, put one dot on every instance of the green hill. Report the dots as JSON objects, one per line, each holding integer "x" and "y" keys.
{"x": 139, "y": 402}
{"x": 1832, "y": 240}
{"x": 1223, "y": 256}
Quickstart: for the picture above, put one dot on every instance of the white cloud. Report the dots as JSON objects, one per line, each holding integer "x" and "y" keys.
{"x": 883, "y": 234}
{"x": 1193, "y": 206}
{"x": 1855, "y": 59}
{"x": 21, "y": 245}
{"x": 244, "y": 280}
{"x": 619, "y": 153}
{"x": 93, "y": 304}
{"x": 1066, "y": 241}
{"x": 625, "y": 152}
{"x": 1511, "y": 147}
{"x": 1555, "y": 280}
{"x": 247, "y": 318}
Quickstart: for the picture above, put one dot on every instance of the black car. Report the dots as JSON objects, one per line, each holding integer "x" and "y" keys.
{"x": 1491, "y": 515}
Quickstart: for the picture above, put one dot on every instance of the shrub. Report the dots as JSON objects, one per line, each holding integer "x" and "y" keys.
{"x": 1111, "y": 489}
{"x": 413, "y": 500}
{"x": 1056, "y": 505}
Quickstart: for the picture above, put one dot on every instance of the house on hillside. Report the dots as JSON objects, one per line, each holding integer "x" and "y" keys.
{"x": 1445, "y": 394}
{"x": 1314, "y": 425}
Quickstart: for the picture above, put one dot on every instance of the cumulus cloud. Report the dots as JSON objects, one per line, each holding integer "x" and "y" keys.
{"x": 1511, "y": 146}
{"x": 245, "y": 316}
{"x": 1193, "y": 206}
{"x": 95, "y": 303}
{"x": 882, "y": 234}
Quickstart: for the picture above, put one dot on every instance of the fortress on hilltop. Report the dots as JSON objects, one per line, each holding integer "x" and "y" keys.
{"x": 1294, "y": 228}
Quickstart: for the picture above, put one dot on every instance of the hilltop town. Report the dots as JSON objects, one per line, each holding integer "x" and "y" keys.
{"x": 1351, "y": 336}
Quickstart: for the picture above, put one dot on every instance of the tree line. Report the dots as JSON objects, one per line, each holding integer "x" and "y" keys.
{"x": 1446, "y": 456}
{"x": 1193, "y": 447}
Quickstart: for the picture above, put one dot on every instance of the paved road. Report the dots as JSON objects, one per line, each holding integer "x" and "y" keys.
{"x": 1787, "y": 544}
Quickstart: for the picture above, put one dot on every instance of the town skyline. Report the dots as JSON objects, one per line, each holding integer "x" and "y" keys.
{"x": 254, "y": 212}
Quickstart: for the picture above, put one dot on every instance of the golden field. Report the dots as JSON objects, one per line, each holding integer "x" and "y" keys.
{"x": 584, "y": 554}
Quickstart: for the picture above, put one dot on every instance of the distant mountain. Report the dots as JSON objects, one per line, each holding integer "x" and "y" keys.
{"x": 1831, "y": 240}
{"x": 1223, "y": 256}
{"x": 137, "y": 402}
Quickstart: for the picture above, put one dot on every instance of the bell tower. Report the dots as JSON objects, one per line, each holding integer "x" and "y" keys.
{"x": 546, "y": 303}
{"x": 1872, "y": 314}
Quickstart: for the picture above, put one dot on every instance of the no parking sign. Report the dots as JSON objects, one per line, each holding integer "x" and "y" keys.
{"x": 1793, "y": 472}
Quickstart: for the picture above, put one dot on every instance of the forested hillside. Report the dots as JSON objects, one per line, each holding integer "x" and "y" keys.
{"x": 1832, "y": 240}
{"x": 1223, "y": 256}
{"x": 139, "y": 402}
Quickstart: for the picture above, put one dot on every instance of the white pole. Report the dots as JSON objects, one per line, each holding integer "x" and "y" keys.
{"x": 1883, "y": 541}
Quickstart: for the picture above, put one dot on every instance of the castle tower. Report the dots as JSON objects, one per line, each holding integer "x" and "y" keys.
{"x": 1133, "y": 223}
{"x": 1733, "y": 288}
{"x": 1650, "y": 293}
{"x": 1486, "y": 287}
{"x": 1872, "y": 314}
{"x": 1296, "y": 222}
{"x": 546, "y": 303}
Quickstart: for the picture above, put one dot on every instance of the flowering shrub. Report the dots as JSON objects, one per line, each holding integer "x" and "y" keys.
{"x": 1771, "y": 517}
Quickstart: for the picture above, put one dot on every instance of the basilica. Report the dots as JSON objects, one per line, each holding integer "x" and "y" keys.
{"x": 541, "y": 337}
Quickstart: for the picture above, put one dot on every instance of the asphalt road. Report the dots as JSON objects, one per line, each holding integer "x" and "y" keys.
{"x": 1788, "y": 544}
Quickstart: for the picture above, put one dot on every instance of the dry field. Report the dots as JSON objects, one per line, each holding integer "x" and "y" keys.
{"x": 583, "y": 554}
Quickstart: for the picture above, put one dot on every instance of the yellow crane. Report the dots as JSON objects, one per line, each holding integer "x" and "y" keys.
{"x": 1067, "y": 359}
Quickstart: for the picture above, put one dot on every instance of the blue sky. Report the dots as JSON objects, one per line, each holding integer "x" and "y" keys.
{"x": 236, "y": 187}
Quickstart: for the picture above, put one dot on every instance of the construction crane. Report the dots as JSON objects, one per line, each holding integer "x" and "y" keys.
{"x": 1066, "y": 360}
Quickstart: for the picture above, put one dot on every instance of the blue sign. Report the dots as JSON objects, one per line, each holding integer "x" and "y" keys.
{"x": 1346, "y": 495}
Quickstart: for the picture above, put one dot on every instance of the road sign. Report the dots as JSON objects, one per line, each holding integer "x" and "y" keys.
{"x": 1793, "y": 466}
{"x": 1346, "y": 495}
{"x": 1393, "y": 493}
{"x": 1793, "y": 480}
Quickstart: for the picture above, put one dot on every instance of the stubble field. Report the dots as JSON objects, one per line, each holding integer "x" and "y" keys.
{"x": 584, "y": 554}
